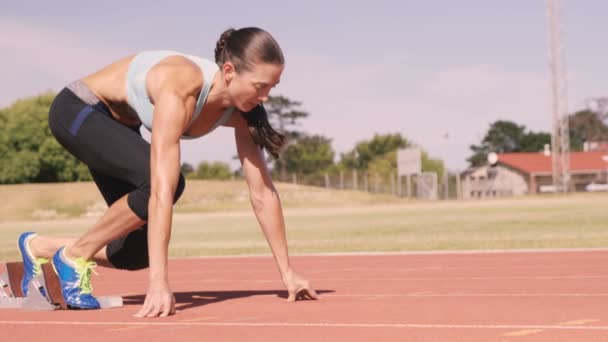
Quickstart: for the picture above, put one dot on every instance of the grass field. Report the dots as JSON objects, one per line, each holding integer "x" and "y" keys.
{"x": 214, "y": 219}
{"x": 76, "y": 200}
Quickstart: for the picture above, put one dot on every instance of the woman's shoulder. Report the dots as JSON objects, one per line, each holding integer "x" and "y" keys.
{"x": 177, "y": 73}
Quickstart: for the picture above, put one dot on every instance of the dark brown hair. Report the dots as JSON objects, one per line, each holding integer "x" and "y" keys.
{"x": 244, "y": 48}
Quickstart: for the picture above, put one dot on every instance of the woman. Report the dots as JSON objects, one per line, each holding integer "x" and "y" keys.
{"x": 176, "y": 96}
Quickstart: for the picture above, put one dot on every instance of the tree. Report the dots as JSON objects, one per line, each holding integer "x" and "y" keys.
{"x": 599, "y": 105}
{"x": 378, "y": 157}
{"x": 215, "y": 170}
{"x": 534, "y": 141}
{"x": 386, "y": 166}
{"x": 366, "y": 151}
{"x": 19, "y": 167}
{"x": 432, "y": 165}
{"x": 28, "y": 151}
{"x": 308, "y": 155}
{"x": 505, "y": 137}
{"x": 586, "y": 125}
{"x": 284, "y": 116}
{"x": 58, "y": 166}
{"x": 186, "y": 168}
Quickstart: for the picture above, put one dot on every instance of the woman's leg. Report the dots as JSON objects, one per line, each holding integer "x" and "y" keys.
{"x": 112, "y": 190}
{"x": 118, "y": 221}
{"x": 46, "y": 246}
{"x": 108, "y": 148}
{"x": 119, "y": 159}
{"x": 116, "y": 253}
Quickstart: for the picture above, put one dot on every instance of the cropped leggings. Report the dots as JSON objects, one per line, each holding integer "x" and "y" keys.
{"x": 118, "y": 158}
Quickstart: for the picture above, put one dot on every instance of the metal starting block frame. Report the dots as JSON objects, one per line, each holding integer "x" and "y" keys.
{"x": 11, "y": 296}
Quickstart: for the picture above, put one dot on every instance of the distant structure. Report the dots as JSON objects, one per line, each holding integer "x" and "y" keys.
{"x": 514, "y": 174}
{"x": 560, "y": 139}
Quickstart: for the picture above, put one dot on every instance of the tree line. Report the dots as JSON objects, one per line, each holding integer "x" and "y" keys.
{"x": 506, "y": 136}
{"x": 29, "y": 152}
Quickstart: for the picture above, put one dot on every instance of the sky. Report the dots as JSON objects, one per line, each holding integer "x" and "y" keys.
{"x": 438, "y": 72}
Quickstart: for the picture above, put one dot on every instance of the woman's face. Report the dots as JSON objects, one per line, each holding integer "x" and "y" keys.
{"x": 248, "y": 88}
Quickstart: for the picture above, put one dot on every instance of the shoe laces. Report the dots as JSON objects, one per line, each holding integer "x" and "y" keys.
{"x": 38, "y": 265}
{"x": 84, "y": 269}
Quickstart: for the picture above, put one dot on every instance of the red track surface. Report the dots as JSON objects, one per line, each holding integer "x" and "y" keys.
{"x": 517, "y": 296}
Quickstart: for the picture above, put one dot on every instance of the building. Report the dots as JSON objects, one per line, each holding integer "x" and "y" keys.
{"x": 595, "y": 146}
{"x": 530, "y": 173}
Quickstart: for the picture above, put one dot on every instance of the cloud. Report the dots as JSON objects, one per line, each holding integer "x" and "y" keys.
{"x": 38, "y": 57}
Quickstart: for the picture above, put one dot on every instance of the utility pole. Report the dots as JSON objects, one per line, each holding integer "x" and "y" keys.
{"x": 560, "y": 138}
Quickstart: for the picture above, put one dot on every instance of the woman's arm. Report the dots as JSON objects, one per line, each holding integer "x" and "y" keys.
{"x": 267, "y": 208}
{"x": 164, "y": 176}
{"x": 172, "y": 113}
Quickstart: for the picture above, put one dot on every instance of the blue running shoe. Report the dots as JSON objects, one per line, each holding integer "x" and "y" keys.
{"x": 75, "y": 281}
{"x": 31, "y": 264}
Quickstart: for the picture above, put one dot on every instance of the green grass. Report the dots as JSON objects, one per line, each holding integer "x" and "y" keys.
{"x": 333, "y": 221}
{"x": 75, "y": 200}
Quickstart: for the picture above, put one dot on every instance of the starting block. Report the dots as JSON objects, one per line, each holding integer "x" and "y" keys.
{"x": 11, "y": 296}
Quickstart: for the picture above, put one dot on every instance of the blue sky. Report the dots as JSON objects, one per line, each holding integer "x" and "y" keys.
{"x": 424, "y": 69}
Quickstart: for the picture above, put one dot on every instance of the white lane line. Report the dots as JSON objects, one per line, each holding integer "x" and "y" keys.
{"x": 523, "y": 332}
{"x": 317, "y": 325}
{"x": 536, "y": 331}
{"x": 579, "y": 322}
{"x": 398, "y": 253}
{"x": 471, "y": 295}
{"x": 353, "y": 279}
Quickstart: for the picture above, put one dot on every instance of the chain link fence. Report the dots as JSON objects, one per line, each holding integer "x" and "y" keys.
{"x": 426, "y": 185}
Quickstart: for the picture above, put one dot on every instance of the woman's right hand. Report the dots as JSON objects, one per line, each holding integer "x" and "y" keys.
{"x": 298, "y": 288}
{"x": 160, "y": 301}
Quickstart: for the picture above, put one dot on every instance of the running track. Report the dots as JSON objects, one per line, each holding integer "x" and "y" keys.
{"x": 476, "y": 296}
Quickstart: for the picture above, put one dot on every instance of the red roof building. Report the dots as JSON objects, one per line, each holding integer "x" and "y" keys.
{"x": 539, "y": 163}
{"x": 529, "y": 173}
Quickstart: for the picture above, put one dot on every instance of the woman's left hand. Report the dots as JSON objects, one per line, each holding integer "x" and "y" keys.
{"x": 298, "y": 288}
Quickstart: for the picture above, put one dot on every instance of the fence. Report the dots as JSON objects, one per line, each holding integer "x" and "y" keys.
{"x": 426, "y": 185}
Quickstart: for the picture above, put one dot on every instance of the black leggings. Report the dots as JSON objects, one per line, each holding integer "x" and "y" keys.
{"x": 119, "y": 161}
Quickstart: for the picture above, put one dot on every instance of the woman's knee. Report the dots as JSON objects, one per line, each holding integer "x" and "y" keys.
{"x": 139, "y": 198}
{"x": 130, "y": 252}
{"x": 133, "y": 263}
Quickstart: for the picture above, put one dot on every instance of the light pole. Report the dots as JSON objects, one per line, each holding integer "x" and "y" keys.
{"x": 605, "y": 159}
{"x": 560, "y": 138}
{"x": 446, "y": 175}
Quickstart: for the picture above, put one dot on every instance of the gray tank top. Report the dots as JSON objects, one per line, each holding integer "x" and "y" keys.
{"x": 137, "y": 95}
